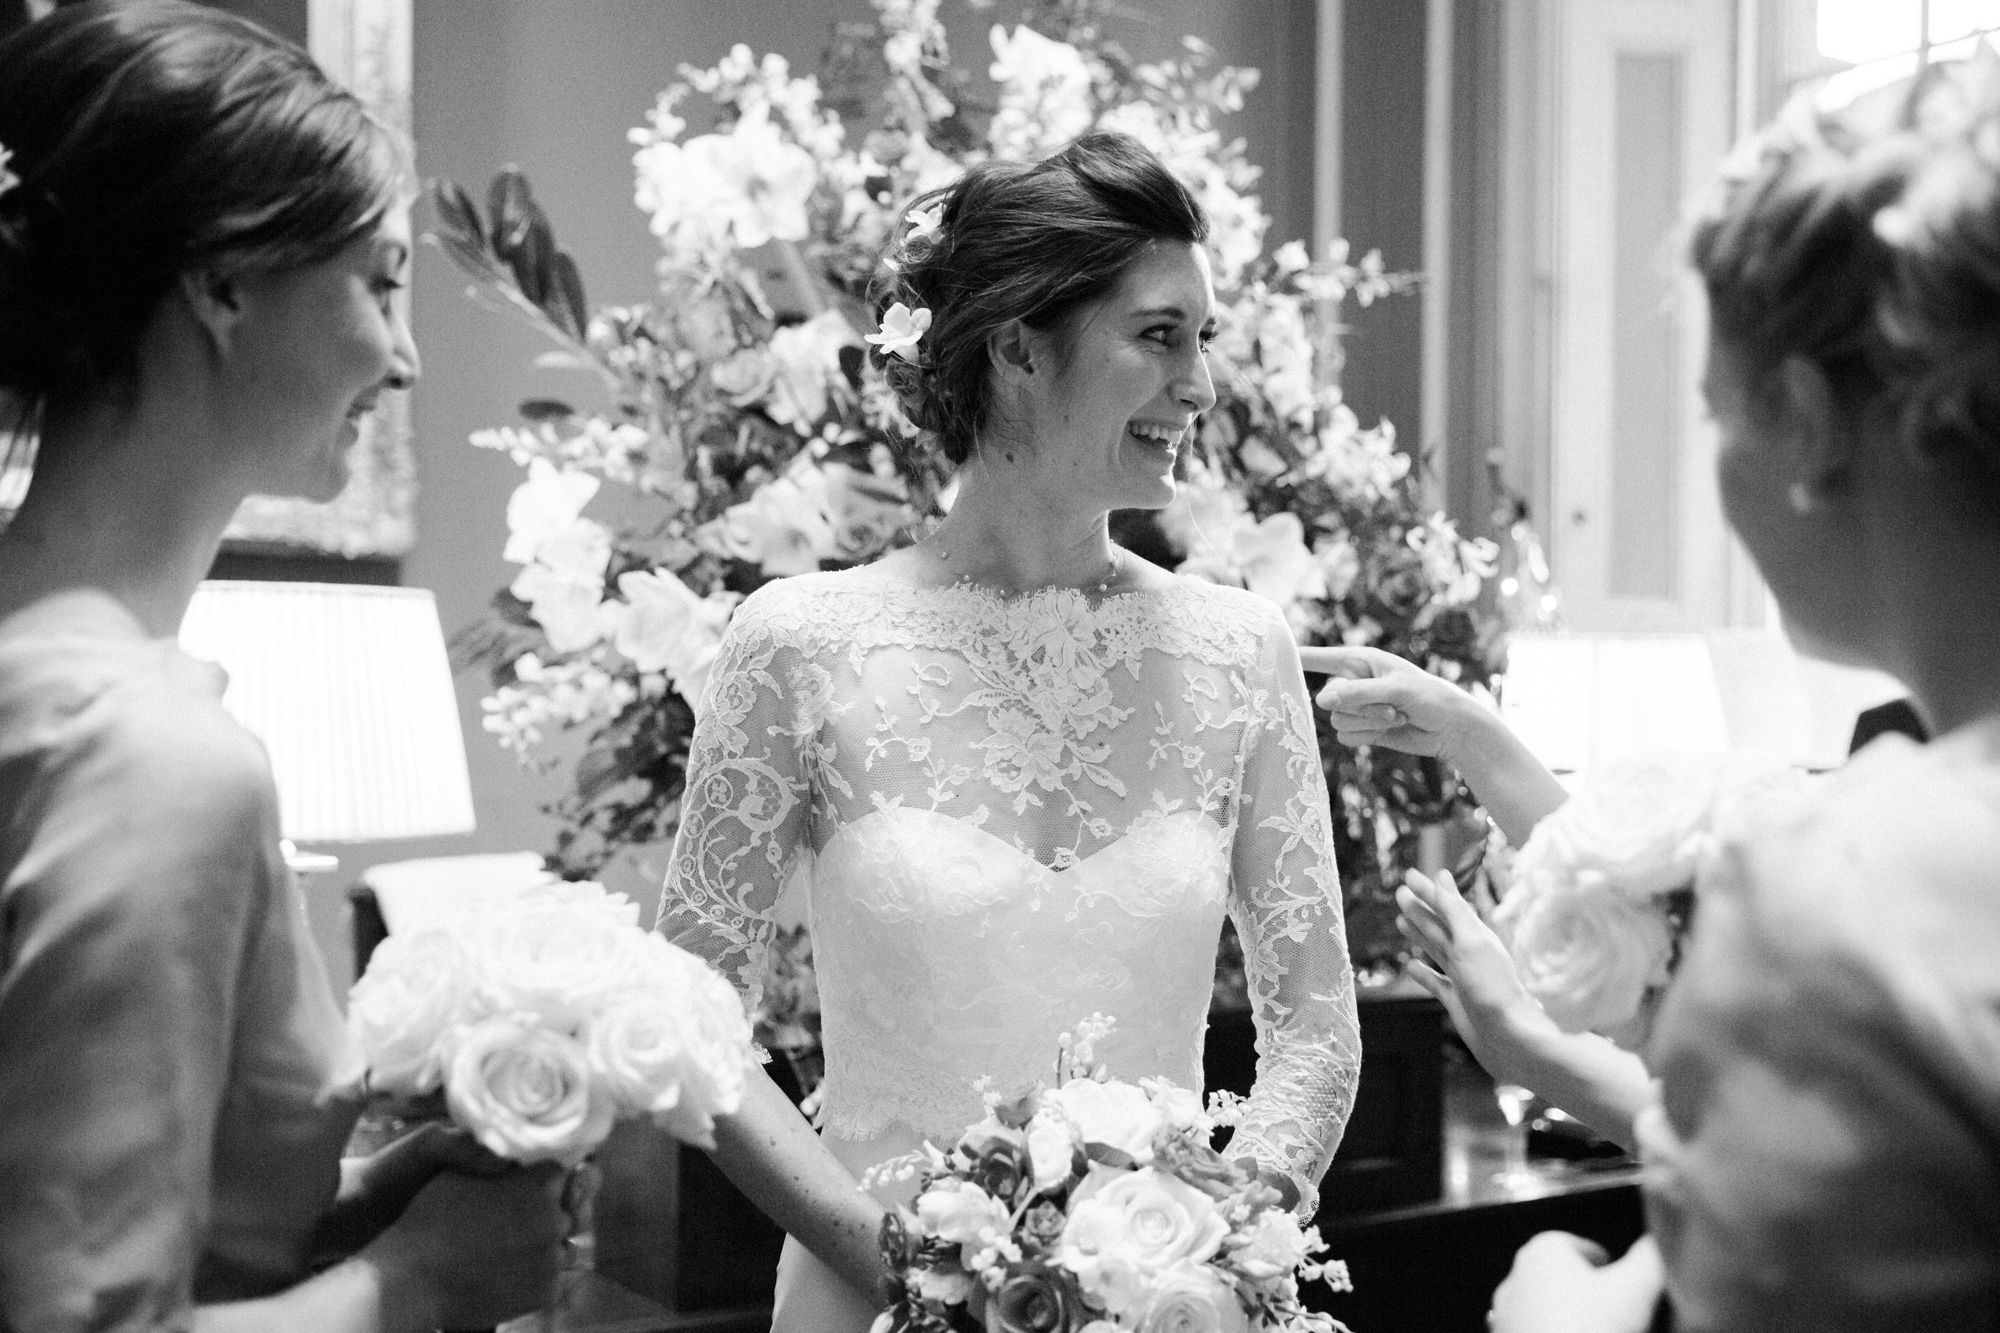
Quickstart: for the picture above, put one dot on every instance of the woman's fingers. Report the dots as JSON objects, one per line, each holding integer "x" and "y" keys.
{"x": 1432, "y": 980}
{"x": 1352, "y": 696}
{"x": 1421, "y": 923}
{"x": 1340, "y": 660}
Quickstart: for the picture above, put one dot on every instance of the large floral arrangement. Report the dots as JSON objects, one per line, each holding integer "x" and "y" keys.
{"x": 1092, "y": 1206}
{"x": 738, "y": 409}
{"x": 541, "y": 1019}
{"x": 1600, "y": 898}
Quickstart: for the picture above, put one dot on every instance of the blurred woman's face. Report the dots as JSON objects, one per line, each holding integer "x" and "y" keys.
{"x": 317, "y": 346}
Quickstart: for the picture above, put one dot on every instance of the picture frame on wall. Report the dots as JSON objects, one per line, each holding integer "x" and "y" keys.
{"x": 366, "y": 46}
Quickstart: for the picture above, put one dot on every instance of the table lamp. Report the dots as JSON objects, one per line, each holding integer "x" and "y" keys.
{"x": 1576, "y": 699}
{"x": 1579, "y": 698}
{"x": 349, "y": 688}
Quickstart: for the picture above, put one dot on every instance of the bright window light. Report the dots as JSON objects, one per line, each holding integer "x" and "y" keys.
{"x": 1856, "y": 32}
{"x": 1953, "y": 19}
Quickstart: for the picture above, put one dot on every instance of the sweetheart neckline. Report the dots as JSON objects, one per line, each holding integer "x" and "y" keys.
{"x": 960, "y": 821}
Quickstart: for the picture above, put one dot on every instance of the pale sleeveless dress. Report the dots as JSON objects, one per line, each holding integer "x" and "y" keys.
{"x": 1013, "y": 813}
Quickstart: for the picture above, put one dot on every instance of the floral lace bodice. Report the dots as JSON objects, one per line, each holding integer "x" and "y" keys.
{"x": 1012, "y": 813}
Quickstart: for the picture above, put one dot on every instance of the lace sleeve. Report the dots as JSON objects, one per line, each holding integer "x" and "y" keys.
{"x": 1285, "y": 901}
{"x": 744, "y": 813}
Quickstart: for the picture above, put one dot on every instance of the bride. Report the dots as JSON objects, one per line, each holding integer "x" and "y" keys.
{"x": 1025, "y": 775}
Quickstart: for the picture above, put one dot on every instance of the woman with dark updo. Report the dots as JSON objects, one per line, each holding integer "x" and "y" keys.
{"x": 1022, "y": 775}
{"x": 201, "y": 241}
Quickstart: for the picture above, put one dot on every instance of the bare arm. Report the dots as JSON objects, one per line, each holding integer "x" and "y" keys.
{"x": 1378, "y": 698}
{"x": 770, "y": 1153}
{"x": 1466, "y": 966}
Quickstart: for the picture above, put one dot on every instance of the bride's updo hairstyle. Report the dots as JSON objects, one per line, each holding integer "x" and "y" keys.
{"x": 1867, "y": 241}
{"x": 148, "y": 138}
{"x": 1012, "y": 240}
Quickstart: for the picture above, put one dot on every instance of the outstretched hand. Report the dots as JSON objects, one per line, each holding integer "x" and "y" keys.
{"x": 1562, "y": 1284}
{"x": 1463, "y": 963}
{"x": 1377, "y": 698}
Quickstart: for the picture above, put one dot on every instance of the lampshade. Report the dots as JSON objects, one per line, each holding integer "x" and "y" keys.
{"x": 349, "y": 689}
{"x": 1578, "y": 698}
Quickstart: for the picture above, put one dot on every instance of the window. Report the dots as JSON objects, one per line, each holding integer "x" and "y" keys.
{"x": 1841, "y": 49}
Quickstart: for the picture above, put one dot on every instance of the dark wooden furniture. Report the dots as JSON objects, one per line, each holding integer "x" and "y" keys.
{"x": 1433, "y": 1265}
{"x": 1391, "y": 1153}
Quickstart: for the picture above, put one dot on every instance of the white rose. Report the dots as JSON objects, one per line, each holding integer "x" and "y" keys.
{"x": 525, "y": 1093}
{"x": 543, "y": 956}
{"x": 1193, "y": 1298}
{"x": 1117, "y": 1115}
{"x": 1126, "y": 1227}
{"x": 714, "y": 1033}
{"x": 1640, "y": 822}
{"x": 1271, "y": 1246}
{"x": 960, "y": 1212}
{"x": 582, "y": 895}
{"x": 1586, "y": 952}
{"x": 418, "y": 987}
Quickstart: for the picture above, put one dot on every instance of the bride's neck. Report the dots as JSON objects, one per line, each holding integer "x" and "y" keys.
{"x": 1010, "y": 535}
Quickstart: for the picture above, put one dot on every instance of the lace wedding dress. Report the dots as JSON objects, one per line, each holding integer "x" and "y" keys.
{"x": 1012, "y": 813}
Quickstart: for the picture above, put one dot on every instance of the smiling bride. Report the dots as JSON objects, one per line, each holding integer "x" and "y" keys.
{"x": 1025, "y": 775}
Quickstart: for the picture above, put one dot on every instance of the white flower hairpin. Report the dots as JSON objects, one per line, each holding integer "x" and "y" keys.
{"x": 8, "y": 180}
{"x": 902, "y": 329}
{"x": 924, "y": 223}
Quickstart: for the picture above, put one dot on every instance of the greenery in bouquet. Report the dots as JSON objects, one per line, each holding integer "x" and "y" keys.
{"x": 737, "y": 414}
{"x": 1095, "y": 1205}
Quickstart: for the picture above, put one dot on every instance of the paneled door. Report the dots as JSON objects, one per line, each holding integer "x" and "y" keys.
{"x": 1644, "y": 94}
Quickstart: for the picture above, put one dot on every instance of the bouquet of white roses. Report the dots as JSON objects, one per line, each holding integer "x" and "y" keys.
{"x": 1094, "y": 1206}
{"x": 1603, "y": 893}
{"x": 545, "y": 1017}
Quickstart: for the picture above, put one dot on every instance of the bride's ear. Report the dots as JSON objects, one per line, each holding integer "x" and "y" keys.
{"x": 1012, "y": 348}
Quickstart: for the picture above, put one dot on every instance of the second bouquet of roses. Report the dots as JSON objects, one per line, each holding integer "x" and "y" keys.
{"x": 540, "y": 1020}
{"x": 1602, "y": 895}
{"x": 1094, "y": 1206}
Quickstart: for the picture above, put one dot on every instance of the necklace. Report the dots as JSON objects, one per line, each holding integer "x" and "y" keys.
{"x": 1111, "y": 567}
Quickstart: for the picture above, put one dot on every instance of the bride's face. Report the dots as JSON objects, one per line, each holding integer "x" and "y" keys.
{"x": 1106, "y": 421}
